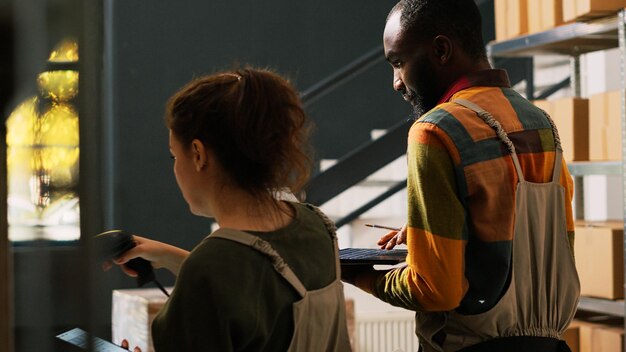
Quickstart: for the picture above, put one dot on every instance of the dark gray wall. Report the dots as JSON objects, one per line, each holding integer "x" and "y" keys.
{"x": 156, "y": 47}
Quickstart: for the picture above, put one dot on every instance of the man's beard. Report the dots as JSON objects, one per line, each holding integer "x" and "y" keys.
{"x": 420, "y": 103}
{"x": 423, "y": 94}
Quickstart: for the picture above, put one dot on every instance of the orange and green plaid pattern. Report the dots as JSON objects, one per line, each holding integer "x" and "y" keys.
{"x": 461, "y": 200}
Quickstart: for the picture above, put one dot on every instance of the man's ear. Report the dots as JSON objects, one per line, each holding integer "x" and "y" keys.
{"x": 443, "y": 49}
{"x": 199, "y": 153}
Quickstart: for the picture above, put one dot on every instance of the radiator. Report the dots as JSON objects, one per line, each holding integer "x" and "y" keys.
{"x": 386, "y": 332}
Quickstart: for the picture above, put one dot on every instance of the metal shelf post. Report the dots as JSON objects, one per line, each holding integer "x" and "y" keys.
{"x": 621, "y": 29}
{"x": 576, "y": 87}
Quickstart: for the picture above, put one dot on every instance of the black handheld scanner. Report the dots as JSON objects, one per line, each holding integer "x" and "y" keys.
{"x": 112, "y": 244}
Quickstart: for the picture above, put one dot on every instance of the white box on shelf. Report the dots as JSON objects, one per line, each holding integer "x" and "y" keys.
{"x": 132, "y": 314}
{"x": 603, "y": 197}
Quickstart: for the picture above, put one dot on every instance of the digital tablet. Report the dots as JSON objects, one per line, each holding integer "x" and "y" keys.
{"x": 79, "y": 338}
{"x": 371, "y": 256}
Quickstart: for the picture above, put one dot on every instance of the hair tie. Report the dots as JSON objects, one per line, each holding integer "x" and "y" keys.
{"x": 233, "y": 75}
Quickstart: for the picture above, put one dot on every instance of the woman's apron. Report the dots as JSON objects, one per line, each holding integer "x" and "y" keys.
{"x": 320, "y": 315}
{"x": 543, "y": 293}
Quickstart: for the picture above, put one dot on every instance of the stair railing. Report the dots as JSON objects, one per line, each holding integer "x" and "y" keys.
{"x": 343, "y": 75}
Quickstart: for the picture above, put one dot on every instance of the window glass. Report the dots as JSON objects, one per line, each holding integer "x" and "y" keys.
{"x": 43, "y": 153}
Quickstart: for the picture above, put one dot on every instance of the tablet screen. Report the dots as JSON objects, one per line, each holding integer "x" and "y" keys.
{"x": 80, "y": 338}
{"x": 371, "y": 256}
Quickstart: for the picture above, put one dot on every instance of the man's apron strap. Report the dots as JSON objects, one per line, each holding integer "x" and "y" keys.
{"x": 497, "y": 127}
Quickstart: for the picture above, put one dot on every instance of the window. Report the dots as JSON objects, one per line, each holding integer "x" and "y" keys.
{"x": 43, "y": 154}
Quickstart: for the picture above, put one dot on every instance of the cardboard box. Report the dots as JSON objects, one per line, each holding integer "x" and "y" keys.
{"x": 599, "y": 252}
{"x": 133, "y": 313}
{"x": 500, "y": 7}
{"x": 544, "y": 105}
{"x": 584, "y": 335}
{"x": 572, "y": 337}
{"x": 603, "y": 197}
{"x": 579, "y": 10}
{"x": 511, "y": 18}
{"x": 517, "y": 16}
{"x": 587, "y": 325}
{"x": 608, "y": 339}
{"x": 571, "y": 116}
{"x": 544, "y": 14}
{"x": 134, "y": 310}
{"x": 351, "y": 322}
{"x": 605, "y": 126}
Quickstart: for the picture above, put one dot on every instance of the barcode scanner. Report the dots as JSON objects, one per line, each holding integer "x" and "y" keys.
{"x": 112, "y": 244}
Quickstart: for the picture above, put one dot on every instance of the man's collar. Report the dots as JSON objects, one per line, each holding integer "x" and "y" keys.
{"x": 485, "y": 78}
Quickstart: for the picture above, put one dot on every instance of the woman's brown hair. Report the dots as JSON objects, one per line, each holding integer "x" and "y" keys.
{"x": 254, "y": 121}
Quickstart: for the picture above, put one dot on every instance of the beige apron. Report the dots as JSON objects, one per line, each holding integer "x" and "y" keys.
{"x": 542, "y": 297}
{"x": 320, "y": 316}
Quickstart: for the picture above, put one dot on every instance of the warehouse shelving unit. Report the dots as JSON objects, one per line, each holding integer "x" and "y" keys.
{"x": 573, "y": 40}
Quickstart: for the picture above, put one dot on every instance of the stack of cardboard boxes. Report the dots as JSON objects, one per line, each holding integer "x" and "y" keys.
{"x": 518, "y": 17}
{"x": 599, "y": 250}
{"x": 605, "y": 126}
{"x": 595, "y": 333}
{"x": 590, "y": 129}
{"x": 581, "y": 10}
{"x": 544, "y": 14}
{"x": 571, "y": 116}
{"x": 511, "y": 18}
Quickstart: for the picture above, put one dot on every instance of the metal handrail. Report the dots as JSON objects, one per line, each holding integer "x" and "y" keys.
{"x": 554, "y": 88}
{"x": 342, "y": 76}
{"x": 364, "y": 160}
{"x": 357, "y": 165}
{"x": 372, "y": 203}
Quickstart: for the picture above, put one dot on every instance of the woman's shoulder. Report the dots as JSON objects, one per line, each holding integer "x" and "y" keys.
{"x": 311, "y": 216}
{"x": 217, "y": 255}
